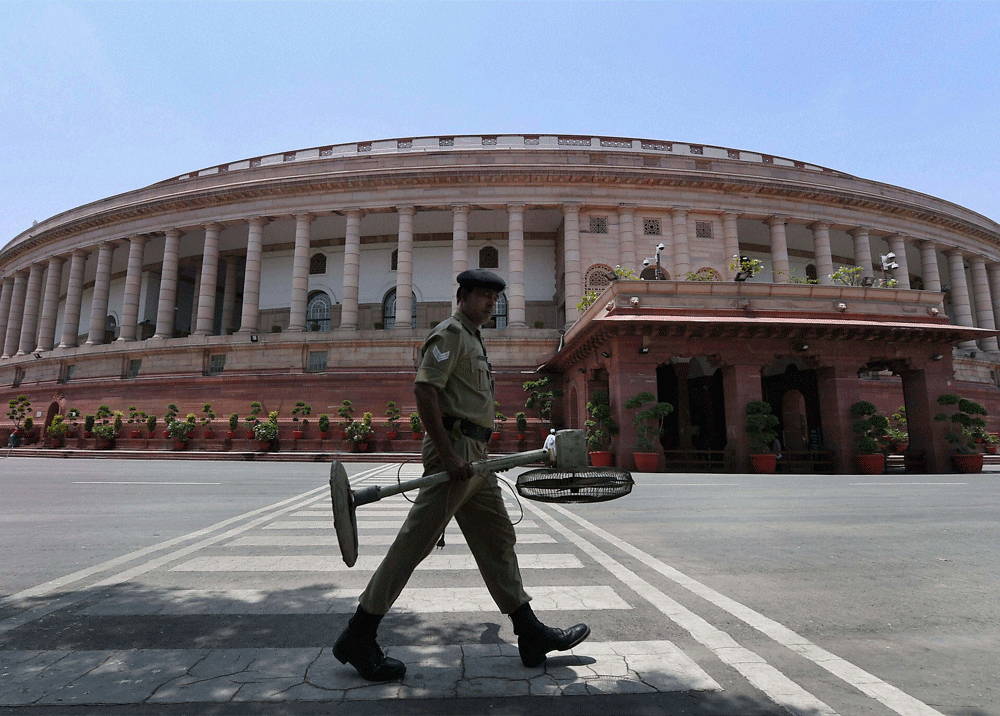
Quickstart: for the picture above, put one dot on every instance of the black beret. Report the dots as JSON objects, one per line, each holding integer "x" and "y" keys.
{"x": 481, "y": 277}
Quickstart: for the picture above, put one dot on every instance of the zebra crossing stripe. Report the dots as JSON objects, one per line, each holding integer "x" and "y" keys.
{"x": 363, "y": 523}
{"x": 418, "y": 600}
{"x": 331, "y": 563}
{"x": 324, "y": 540}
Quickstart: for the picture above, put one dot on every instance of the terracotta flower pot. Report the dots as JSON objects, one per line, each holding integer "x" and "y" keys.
{"x": 231, "y": 434}
{"x": 418, "y": 436}
{"x": 495, "y": 436}
{"x": 209, "y": 434}
{"x": 870, "y": 464}
{"x": 135, "y": 434}
{"x": 967, "y": 462}
{"x": 646, "y": 461}
{"x": 392, "y": 435}
{"x": 298, "y": 434}
{"x": 323, "y": 434}
{"x": 764, "y": 464}
{"x": 600, "y": 458}
{"x": 179, "y": 444}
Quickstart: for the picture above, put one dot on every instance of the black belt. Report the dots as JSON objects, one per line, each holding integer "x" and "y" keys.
{"x": 468, "y": 428}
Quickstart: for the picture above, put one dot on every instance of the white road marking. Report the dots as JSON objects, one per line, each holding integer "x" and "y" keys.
{"x": 373, "y": 539}
{"x": 888, "y": 695}
{"x": 133, "y": 482}
{"x": 419, "y": 600}
{"x": 332, "y": 563}
{"x": 363, "y": 524}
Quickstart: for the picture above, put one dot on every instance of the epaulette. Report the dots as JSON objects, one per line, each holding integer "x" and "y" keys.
{"x": 453, "y": 327}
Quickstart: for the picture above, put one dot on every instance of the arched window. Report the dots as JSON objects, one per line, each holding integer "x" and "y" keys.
{"x": 598, "y": 277}
{"x": 649, "y": 274}
{"x": 811, "y": 272}
{"x": 499, "y": 319}
{"x": 317, "y": 264}
{"x": 318, "y": 312}
{"x": 706, "y": 273}
{"x": 110, "y": 328}
{"x": 489, "y": 257}
{"x": 389, "y": 310}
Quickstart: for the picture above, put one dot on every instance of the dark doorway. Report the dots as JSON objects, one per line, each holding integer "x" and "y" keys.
{"x": 704, "y": 425}
{"x": 794, "y": 398}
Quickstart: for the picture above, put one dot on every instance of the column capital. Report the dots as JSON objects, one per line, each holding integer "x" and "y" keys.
{"x": 258, "y": 221}
{"x": 926, "y": 244}
{"x": 678, "y": 210}
{"x": 517, "y": 205}
{"x": 819, "y": 226}
{"x": 138, "y": 239}
{"x": 731, "y": 214}
{"x": 625, "y": 206}
{"x": 305, "y": 216}
{"x": 977, "y": 259}
{"x": 406, "y": 210}
{"x": 953, "y": 251}
{"x": 460, "y": 208}
{"x": 175, "y": 233}
{"x": 354, "y": 211}
{"x": 775, "y": 220}
{"x": 214, "y": 226}
{"x": 860, "y": 231}
{"x": 571, "y": 208}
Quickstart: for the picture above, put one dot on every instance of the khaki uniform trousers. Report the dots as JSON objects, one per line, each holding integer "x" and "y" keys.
{"x": 477, "y": 505}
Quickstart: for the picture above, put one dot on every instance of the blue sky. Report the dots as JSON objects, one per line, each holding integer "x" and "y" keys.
{"x": 100, "y": 98}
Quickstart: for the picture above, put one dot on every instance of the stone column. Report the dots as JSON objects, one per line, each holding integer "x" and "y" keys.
{"x": 6, "y": 291}
{"x": 779, "y": 249}
{"x": 352, "y": 271}
{"x": 133, "y": 289}
{"x": 572, "y": 271}
{"x": 984, "y": 303}
{"x": 300, "y": 273}
{"x": 16, "y": 315}
{"x": 730, "y": 240}
{"x": 229, "y": 297}
{"x": 902, "y": 274}
{"x": 961, "y": 310}
{"x": 74, "y": 297}
{"x": 863, "y": 250}
{"x": 168, "y": 285}
{"x": 821, "y": 247}
{"x": 32, "y": 303}
{"x": 741, "y": 384}
{"x": 250, "y": 321}
{"x": 404, "y": 268}
{"x": 102, "y": 288}
{"x": 993, "y": 272}
{"x": 50, "y": 305}
{"x": 929, "y": 266}
{"x": 515, "y": 266}
{"x": 205, "y": 325}
{"x": 459, "y": 248}
{"x": 626, "y": 237}
{"x": 682, "y": 258}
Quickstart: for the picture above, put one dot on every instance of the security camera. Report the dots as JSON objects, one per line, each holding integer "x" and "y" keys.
{"x": 889, "y": 256}
{"x": 646, "y": 262}
{"x": 660, "y": 246}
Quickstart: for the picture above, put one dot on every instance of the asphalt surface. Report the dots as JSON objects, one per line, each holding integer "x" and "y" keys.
{"x": 122, "y": 581}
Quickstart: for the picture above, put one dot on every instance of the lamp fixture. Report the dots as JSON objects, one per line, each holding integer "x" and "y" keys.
{"x": 254, "y": 338}
{"x": 801, "y": 346}
{"x": 937, "y": 356}
{"x": 742, "y": 276}
{"x": 841, "y": 306}
{"x": 867, "y": 281}
{"x": 933, "y": 311}
{"x": 37, "y": 355}
{"x": 644, "y": 350}
{"x": 605, "y": 354}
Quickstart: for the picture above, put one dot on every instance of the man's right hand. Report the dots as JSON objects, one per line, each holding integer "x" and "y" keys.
{"x": 458, "y": 468}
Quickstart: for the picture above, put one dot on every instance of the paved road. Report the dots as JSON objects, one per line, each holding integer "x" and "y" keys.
{"x": 166, "y": 587}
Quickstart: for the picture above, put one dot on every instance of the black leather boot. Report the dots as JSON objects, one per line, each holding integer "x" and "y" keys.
{"x": 357, "y": 645}
{"x": 535, "y": 640}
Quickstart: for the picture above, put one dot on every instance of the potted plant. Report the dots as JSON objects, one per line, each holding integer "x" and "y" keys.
{"x": 498, "y": 420}
{"x": 151, "y": 425}
{"x": 135, "y": 418}
{"x": 392, "y": 415}
{"x": 206, "y": 422}
{"x": 18, "y": 411}
{"x": 344, "y": 411}
{"x": 180, "y": 430}
{"x": 299, "y": 412}
{"x": 360, "y": 432}
{"x": 119, "y": 418}
{"x": 871, "y": 431}
{"x": 57, "y": 431}
{"x": 73, "y": 415}
{"x": 324, "y": 426}
{"x": 416, "y": 427}
{"x": 648, "y": 425}
{"x": 267, "y": 431}
{"x": 896, "y": 433}
{"x": 88, "y": 425}
{"x": 761, "y": 429}
{"x": 168, "y": 417}
{"x": 990, "y": 445}
{"x": 541, "y": 397}
{"x": 105, "y": 433}
{"x": 967, "y": 427}
{"x": 234, "y": 423}
{"x": 521, "y": 421}
{"x": 252, "y": 420}
{"x": 601, "y": 427}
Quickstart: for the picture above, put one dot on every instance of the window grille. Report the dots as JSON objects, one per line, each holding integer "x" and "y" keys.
{"x": 499, "y": 319}
{"x": 703, "y": 229}
{"x": 598, "y": 277}
{"x": 489, "y": 257}
{"x": 216, "y": 363}
{"x": 317, "y": 265}
{"x": 651, "y": 227}
{"x": 318, "y": 312}
{"x": 598, "y": 224}
{"x": 317, "y": 361}
{"x": 389, "y": 310}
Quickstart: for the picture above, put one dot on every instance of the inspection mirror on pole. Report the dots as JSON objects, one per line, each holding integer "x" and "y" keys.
{"x": 569, "y": 478}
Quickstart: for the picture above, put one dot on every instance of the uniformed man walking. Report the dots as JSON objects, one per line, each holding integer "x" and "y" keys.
{"x": 454, "y": 391}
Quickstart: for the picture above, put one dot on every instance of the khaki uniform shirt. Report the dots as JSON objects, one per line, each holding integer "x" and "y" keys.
{"x": 453, "y": 360}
